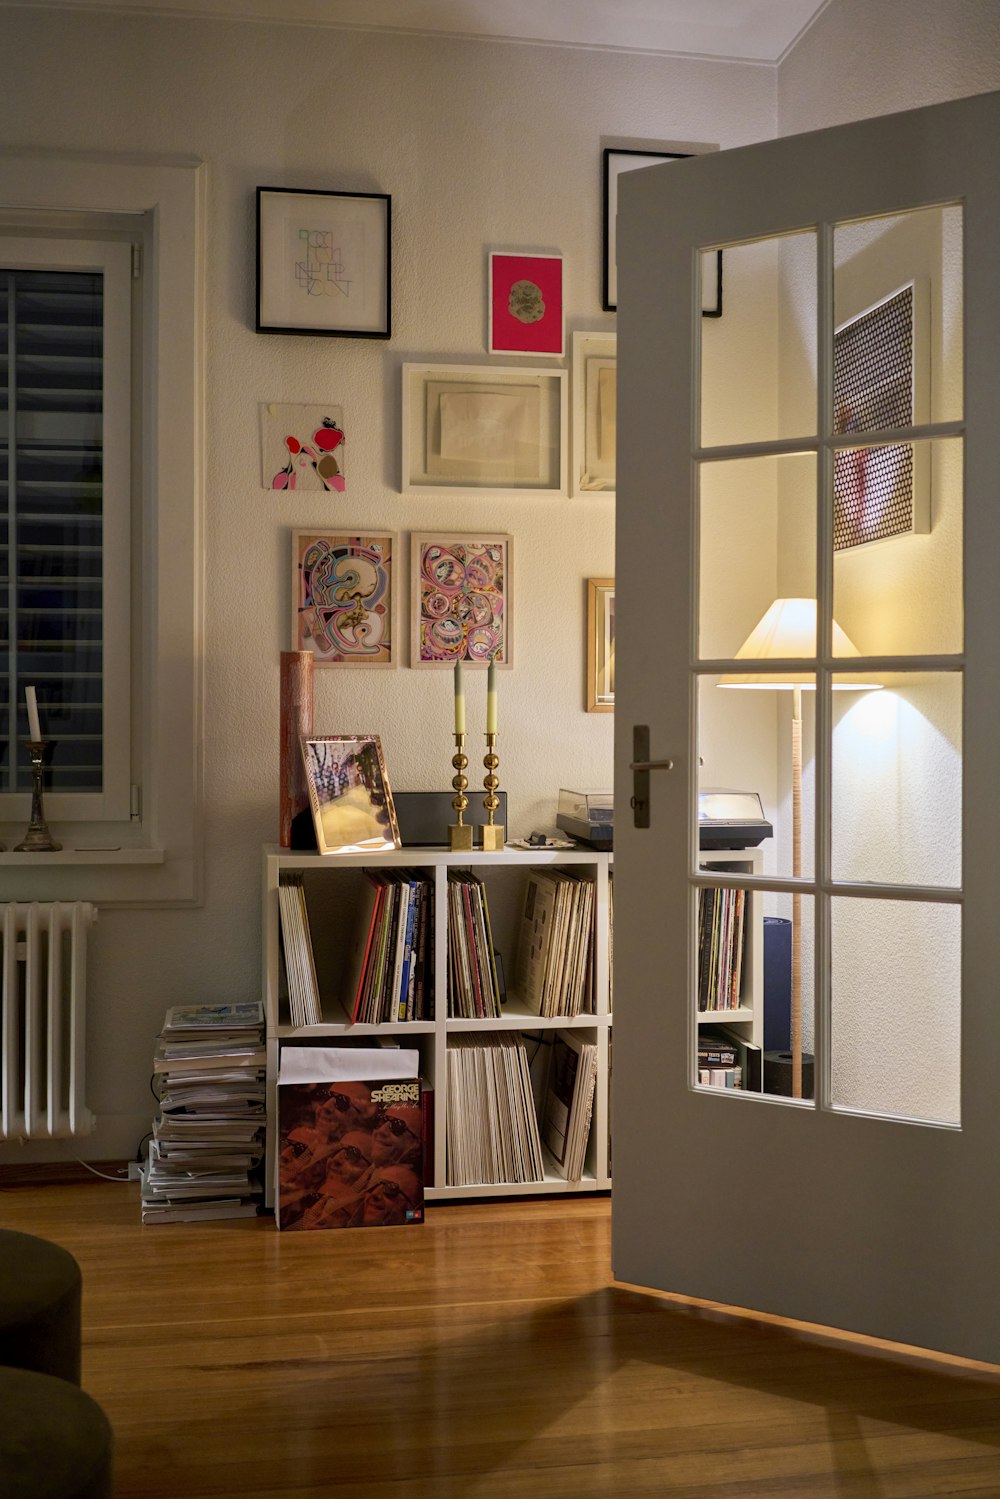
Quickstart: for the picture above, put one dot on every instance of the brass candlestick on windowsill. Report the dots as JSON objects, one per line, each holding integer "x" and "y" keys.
{"x": 459, "y": 835}
{"x": 38, "y": 839}
{"x": 492, "y": 839}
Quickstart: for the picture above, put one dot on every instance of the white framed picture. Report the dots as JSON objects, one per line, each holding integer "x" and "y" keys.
{"x": 595, "y": 413}
{"x": 483, "y": 429}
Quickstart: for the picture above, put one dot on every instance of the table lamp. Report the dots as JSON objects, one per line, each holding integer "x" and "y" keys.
{"x": 787, "y": 632}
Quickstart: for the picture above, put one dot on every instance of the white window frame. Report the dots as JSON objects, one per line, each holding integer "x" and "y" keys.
{"x": 113, "y": 260}
{"x": 155, "y": 855}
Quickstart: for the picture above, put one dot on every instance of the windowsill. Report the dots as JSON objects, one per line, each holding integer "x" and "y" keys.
{"x": 77, "y": 856}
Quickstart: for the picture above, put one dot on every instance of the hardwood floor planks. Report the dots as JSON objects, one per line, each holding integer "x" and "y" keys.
{"x": 486, "y": 1353}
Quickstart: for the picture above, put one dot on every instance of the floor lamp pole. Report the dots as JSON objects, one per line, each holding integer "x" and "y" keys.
{"x": 796, "y": 999}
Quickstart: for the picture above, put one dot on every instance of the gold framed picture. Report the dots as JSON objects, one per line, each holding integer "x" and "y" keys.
{"x": 600, "y": 645}
{"x": 349, "y": 794}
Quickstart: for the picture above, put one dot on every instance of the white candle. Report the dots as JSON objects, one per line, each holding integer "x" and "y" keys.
{"x": 459, "y": 700}
{"x": 34, "y": 728}
{"x": 491, "y": 699}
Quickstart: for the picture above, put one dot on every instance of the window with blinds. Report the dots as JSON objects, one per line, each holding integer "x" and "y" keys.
{"x": 64, "y": 518}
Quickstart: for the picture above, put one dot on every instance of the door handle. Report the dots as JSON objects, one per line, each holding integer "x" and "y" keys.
{"x": 640, "y": 767}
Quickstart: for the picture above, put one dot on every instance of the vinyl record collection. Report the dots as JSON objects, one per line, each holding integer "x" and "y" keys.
{"x": 492, "y": 1128}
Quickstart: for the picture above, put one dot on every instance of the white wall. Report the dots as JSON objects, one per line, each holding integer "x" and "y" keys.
{"x": 482, "y": 145}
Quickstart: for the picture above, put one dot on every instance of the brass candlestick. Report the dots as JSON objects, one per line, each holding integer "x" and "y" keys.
{"x": 459, "y": 836}
{"x": 492, "y": 831}
{"x": 38, "y": 839}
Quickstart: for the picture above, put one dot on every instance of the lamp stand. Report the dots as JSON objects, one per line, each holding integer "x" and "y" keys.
{"x": 796, "y": 1004}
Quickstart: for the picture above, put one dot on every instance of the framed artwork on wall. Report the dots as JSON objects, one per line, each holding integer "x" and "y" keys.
{"x": 349, "y": 793}
{"x": 526, "y": 305}
{"x": 461, "y": 599}
{"x": 881, "y": 379}
{"x": 483, "y": 429}
{"x": 600, "y": 645}
{"x": 595, "y": 372}
{"x": 324, "y": 262}
{"x": 344, "y": 597}
{"x": 615, "y": 163}
{"x": 302, "y": 447}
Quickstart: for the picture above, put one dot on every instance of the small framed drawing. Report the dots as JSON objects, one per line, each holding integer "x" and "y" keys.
{"x": 349, "y": 794}
{"x": 323, "y": 262}
{"x": 483, "y": 429}
{"x": 461, "y": 599}
{"x": 615, "y": 163}
{"x": 344, "y": 597}
{"x": 595, "y": 369}
{"x": 302, "y": 447}
{"x": 526, "y": 305}
{"x": 600, "y": 645}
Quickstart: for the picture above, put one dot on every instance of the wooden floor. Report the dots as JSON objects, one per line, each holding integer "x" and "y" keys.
{"x": 485, "y": 1353}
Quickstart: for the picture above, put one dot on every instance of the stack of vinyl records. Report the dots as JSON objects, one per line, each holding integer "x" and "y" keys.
{"x": 296, "y": 947}
{"x": 555, "y": 959}
{"x": 721, "y": 941}
{"x": 390, "y": 966}
{"x": 473, "y": 987}
{"x": 208, "y": 1138}
{"x": 492, "y": 1128}
{"x": 569, "y": 1100}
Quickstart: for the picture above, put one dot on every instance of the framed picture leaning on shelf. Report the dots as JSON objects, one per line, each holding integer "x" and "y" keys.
{"x": 349, "y": 793}
{"x": 600, "y": 645}
{"x": 323, "y": 262}
{"x": 344, "y": 597}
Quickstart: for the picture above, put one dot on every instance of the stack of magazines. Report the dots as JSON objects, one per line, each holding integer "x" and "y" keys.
{"x": 208, "y": 1138}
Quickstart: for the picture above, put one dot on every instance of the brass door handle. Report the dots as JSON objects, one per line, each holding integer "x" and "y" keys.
{"x": 640, "y": 767}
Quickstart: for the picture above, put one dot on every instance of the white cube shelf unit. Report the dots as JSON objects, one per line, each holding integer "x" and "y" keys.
{"x": 745, "y": 1023}
{"x": 331, "y": 883}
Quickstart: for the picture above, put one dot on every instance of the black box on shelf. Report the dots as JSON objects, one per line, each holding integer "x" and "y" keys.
{"x": 423, "y": 817}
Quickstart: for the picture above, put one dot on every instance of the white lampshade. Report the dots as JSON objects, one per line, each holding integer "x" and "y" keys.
{"x": 787, "y": 631}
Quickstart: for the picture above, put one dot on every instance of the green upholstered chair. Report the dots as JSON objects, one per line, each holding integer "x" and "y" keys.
{"x": 55, "y": 1441}
{"x": 40, "y": 1286}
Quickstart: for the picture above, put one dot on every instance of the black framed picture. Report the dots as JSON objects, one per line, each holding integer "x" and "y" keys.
{"x": 324, "y": 262}
{"x": 615, "y": 163}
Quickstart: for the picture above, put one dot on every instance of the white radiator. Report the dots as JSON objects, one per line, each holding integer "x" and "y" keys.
{"x": 43, "y": 985}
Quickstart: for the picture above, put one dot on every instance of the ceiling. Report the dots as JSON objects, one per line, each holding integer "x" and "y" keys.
{"x": 741, "y": 30}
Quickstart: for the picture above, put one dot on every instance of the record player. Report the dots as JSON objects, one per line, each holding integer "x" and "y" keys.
{"x": 731, "y": 819}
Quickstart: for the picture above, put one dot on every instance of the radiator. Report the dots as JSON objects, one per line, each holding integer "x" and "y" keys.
{"x": 43, "y": 985}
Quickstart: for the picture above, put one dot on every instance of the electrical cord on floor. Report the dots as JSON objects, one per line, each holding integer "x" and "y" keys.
{"x": 122, "y": 1176}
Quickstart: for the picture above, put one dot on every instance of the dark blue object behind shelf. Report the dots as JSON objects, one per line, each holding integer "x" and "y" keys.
{"x": 777, "y": 983}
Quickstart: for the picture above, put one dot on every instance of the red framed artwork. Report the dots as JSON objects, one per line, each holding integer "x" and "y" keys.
{"x": 526, "y": 305}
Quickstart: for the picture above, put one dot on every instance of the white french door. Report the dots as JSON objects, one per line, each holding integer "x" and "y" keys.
{"x": 824, "y": 456}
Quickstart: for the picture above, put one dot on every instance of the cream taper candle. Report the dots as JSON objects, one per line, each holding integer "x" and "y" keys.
{"x": 34, "y": 727}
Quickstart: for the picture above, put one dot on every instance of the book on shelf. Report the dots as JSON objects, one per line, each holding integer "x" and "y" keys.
{"x": 555, "y": 957}
{"x": 304, "y": 1003}
{"x": 491, "y": 1131}
{"x": 350, "y": 1149}
{"x": 568, "y": 1102}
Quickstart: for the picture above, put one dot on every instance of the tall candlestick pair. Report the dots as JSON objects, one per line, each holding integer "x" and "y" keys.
{"x": 492, "y": 834}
